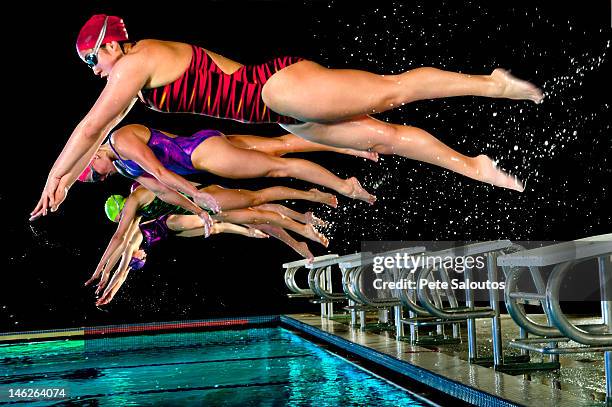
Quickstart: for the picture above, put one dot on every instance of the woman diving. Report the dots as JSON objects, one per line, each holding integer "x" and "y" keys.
{"x": 144, "y": 220}
{"x": 142, "y": 205}
{"x": 142, "y": 237}
{"x": 328, "y": 106}
{"x": 134, "y": 150}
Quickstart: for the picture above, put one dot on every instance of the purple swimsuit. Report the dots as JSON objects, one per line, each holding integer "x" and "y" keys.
{"x": 136, "y": 263}
{"x": 154, "y": 232}
{"x": 173, "y": 153}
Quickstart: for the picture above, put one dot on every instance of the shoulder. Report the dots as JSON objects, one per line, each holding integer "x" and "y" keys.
{"x": 138, "y": 199}
{"x": 141, "y": 196}
{"x": 125, "y": 139}
{"x": 137, "y": 62}
{"x": 149, "y": 44}
{"x": 142, "y": 193}
{"x": 132, "y": 129}
{"x": 128, "y": 134}
{"x": 149, "y": 50}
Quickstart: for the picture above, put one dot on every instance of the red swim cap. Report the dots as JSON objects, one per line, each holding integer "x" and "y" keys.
{"x": 115, "y": 31}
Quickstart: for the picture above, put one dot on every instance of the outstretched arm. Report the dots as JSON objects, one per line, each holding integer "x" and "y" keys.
{"x": 116, "y": 282}
{"x": 122, "y": 271}
{"x": 120, "y": 237}
{"x": 128, "y": 76}
{"x": 119, "y": 253}
{"x": 171, "y": 196}
{"x": 61, "y": 189}
{"x": 139, "y": 152}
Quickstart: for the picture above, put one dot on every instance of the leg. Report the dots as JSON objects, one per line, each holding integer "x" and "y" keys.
{"x": 223, "y": 227}
{"x": 307, "y": 217}
{"x": 257, "y": 217}
{"x": 405, "y": 141}
{"x": 300, "y": 247}
{"x": 278, "y": 215}
{"x": 184, "y": 224}
{"x": 312, "y": 93}
{"x": 290, "y": 143}
{"x": 218, "y": 156}
{"x": 243, "y": 198}
{"x": 193, "y": 226}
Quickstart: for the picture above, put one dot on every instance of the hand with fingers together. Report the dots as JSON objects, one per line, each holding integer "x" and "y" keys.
{"x": 51, "y": 198}
{"x": 120, "y": 275}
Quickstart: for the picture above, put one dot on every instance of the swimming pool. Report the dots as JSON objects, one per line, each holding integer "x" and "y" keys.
{"x": 256, "y": 366}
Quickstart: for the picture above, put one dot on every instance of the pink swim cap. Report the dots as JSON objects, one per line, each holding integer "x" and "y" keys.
{"x": 115, "y": 31}
{"x": 85, "y": 175}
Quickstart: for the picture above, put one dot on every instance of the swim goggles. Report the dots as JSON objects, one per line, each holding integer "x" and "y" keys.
{"x": 95, "y": 175}
{"x": 91, "y": 59}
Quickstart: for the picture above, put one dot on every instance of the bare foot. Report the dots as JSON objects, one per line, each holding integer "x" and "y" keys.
{"x": 304, "y": 251}
{"x": 370, "y": 155}
{"x": 324, "y": 197}
{"x": 256, "y": 233}
{"x": 316, "y": 236}
{"x": 487, "y": 171}
{"x": 206, "y": 201}
{"x": 311, "y": 219}
{"x": 514, "y": 88}
{"x": 356, "y": 191}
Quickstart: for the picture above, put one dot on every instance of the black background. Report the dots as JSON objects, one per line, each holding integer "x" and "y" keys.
{"x": 562, "y": 148}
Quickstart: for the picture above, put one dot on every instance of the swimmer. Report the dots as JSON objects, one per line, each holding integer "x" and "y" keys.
{"x": 141, "y": 238}
{"x": 143, "y": 205}
{"x": 150, "y": 233}
{"x": 328, "y": 106}
{"x": 134, "y": 150}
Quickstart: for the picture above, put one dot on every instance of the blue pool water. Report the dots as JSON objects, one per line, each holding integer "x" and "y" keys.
{"x": 260, "y": 366}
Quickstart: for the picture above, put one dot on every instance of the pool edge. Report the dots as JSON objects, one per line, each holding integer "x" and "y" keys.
{"x": 451, "y": 381}
{"x": 142, "y": 328}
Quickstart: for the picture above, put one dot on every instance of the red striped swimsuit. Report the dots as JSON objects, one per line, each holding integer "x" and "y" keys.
{"x": 204, "y": 89}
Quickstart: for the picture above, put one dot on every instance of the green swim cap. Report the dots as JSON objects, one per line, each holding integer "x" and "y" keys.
{"x": 113, "y": 206}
